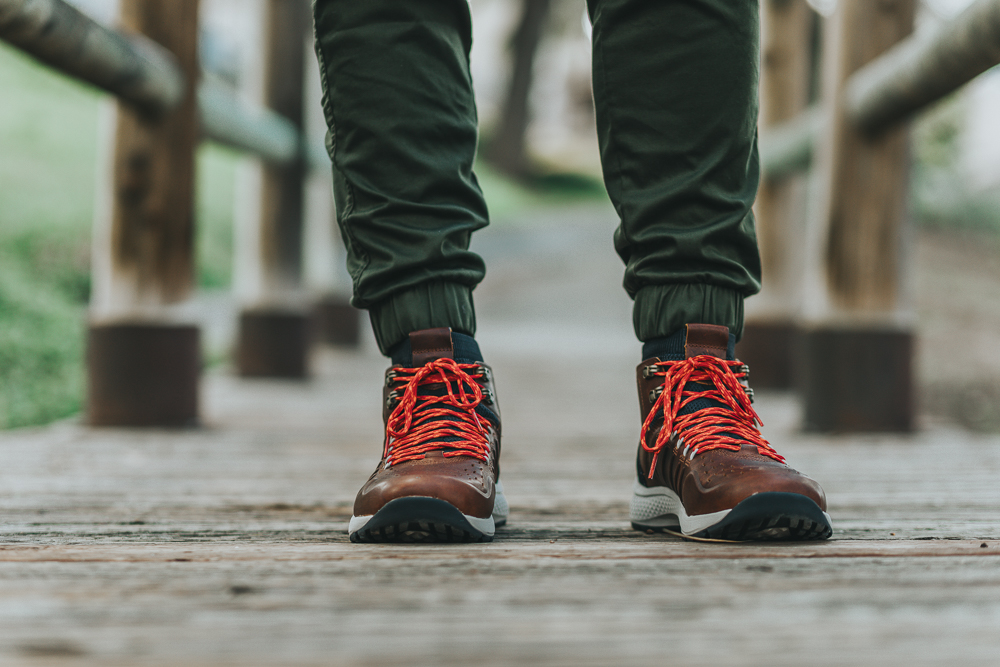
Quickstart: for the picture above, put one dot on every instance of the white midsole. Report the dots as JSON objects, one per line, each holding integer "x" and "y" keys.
{"x": 501, "y": 510}
{"x": 660, "y": 507}
{"x": 485, "y": 526}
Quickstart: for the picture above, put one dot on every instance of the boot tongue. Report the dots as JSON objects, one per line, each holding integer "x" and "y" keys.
{"x": 430, "y": 344}
{"x": 709, "y": 339}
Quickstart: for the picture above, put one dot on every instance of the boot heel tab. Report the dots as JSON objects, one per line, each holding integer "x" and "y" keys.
{"x": 710, "y": 339}
{"x": 430, "y": 344}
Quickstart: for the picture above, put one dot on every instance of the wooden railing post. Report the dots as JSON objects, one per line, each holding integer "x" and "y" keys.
{"x": 768, "y": 336}
{"x": 335, "y": 321}
{"x": 273, "y": 337}
{"x": 143, "y": 358}
{"x": 858, "y": 339}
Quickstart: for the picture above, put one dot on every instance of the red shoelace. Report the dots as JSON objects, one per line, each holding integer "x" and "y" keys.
{"x": 727, "y": 426}
{"x": 424, "y": 422}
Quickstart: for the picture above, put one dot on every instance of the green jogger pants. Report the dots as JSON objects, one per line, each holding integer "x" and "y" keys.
{"x": 675, "y": 89}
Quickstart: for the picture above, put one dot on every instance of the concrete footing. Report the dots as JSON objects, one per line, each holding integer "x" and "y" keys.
{"x": 143, "y": 375}
{"x": 273, "y": 343}
{"x": 769, "y": 348}
{"x": 337, "y": 322}
{"x": 857, "y": 379}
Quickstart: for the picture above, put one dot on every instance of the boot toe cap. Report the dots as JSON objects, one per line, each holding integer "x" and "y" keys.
{"x": 460, "y": 481}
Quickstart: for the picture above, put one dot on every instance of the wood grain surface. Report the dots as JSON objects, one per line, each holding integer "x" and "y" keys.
{"x": 152, "y": 239}
{"x": 865, "y": 179}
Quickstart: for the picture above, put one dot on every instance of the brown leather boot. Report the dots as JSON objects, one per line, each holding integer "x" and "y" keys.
{"x": 703, "y": 467}
{"x": 438, "y": 480}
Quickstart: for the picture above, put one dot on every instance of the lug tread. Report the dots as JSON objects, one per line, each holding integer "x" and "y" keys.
{"x": 771, "y": 517}
{"x": 764, "y": 517}
{"x": 419, "y": 520}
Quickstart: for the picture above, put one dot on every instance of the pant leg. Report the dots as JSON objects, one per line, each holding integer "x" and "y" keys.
{"x": 402, "y": 137}
{"x": 675, "y": 88}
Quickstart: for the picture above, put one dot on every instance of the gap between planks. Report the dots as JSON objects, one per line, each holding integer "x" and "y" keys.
{"x": 662, "y": 549}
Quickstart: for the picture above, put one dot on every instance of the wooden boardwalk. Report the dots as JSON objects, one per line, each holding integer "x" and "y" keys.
{"x": 227, "y": 545}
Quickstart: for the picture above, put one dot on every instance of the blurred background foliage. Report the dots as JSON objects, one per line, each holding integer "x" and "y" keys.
{"x": 48, "y": 146}
{"x": 941, "y": 194}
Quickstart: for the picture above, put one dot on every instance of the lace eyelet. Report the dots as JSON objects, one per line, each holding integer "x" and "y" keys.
{"x": 391, "y": 397}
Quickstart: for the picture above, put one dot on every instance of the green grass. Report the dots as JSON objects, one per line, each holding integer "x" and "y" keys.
{"x": 41, "y": 348}
{"x": 48, "y": 147}
{"x": 214, "y": 215}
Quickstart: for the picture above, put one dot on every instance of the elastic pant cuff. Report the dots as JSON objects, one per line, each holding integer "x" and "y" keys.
{"x": 425, "y": 306}
{"x": 660, "y": 310}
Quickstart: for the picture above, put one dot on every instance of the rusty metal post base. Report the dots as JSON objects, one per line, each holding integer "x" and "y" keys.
{"x": 143, "y": 375}
{"x": 768, "y": 348}
{"x": 857, "y": 379}
{"x": 273, "y": 343}
{"x": 337, "y": 322}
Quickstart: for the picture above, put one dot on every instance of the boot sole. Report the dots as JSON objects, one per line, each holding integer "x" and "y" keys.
{"x": 423, "y": 519}
{"x": 763, "y": 517}
{"x": 420, "y": 519}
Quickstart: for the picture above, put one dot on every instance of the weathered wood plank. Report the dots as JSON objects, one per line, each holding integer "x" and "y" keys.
{"x": 227, "y": 545}
{"x": 601, "y": 547}
{"x": 393, "y": 611}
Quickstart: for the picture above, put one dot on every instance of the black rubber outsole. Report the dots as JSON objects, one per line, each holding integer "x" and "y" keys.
{"x": 419, "y": 519}
{"x": 768, "y": 517}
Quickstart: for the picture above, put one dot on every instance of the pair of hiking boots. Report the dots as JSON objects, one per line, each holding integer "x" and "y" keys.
{"x": 702, "y": 470}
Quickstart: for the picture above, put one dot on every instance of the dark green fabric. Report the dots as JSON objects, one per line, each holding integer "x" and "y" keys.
{"x": 402, "y": 137}
{"x": 675, "y": 88}
{"x": 669, "y": 307}
{"x": 675, "y": 85}
{"x": 426, "y": 306}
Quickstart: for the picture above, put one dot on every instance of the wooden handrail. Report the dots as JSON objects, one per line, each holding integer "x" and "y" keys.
{"x": 140, "y": 72}
{"x": 130, "y": 67}
{"x": 788, "y": 147}
{"x": 924, "y": 68}
{"x": 228, "y": 120}
{"x": 903, "y": 81}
